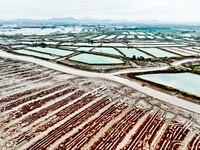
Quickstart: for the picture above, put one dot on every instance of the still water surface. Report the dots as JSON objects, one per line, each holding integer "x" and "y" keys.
{"x": 96, "y": 59}
{"x": 187, "y": 82}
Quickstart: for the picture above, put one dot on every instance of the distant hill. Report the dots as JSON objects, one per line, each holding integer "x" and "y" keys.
{"x": 65, "y": 20}
{"x": 85, "y": 20}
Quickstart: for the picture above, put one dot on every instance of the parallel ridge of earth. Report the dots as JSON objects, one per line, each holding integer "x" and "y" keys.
{"x": 46, "y": 109}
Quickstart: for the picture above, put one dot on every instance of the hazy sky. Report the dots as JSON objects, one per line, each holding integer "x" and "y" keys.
{"x": 164, "y": 10}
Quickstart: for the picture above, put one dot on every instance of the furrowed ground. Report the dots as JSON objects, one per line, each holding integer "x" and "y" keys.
{"x": 42, "y": 108}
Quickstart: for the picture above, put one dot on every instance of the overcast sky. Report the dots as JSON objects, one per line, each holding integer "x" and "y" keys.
{"x": 163, "y": 10}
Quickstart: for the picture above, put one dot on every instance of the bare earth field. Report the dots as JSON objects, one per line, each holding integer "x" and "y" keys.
{"x": 41, "y": 108}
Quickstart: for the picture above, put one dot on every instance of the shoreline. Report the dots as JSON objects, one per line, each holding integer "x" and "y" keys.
{"x": 167, "y": 89}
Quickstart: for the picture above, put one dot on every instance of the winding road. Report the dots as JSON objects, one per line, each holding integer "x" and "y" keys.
{"x": 113, "y": 77}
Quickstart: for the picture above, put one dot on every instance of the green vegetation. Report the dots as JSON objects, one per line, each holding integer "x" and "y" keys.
{"x": 137, "y": 58}
{"x": 177, "y": 70}
{"x": 196, "y": 69}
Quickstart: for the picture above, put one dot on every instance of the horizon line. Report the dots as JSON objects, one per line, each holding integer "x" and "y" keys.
{"x": 97, "y": 19}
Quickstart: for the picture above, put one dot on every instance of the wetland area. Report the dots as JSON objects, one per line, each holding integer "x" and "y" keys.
{"x": 94, "y": 87}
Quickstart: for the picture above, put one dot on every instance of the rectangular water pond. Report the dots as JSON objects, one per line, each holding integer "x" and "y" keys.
{"x": 85, "y": 48}
{"x": 87, "y": 44}
{"x": 197, "y": 48}
{"x": 113, "y": 44}
{"x": 31, "y": 53}
{"x": 110, "y": 37}
{"x": 191, "y": 48}
{"x": 176, "y": 51}
{"x": 151, "y": 43}
{"x": 120, "y": 36}
{"x": 106, "y": 50}
{"x": 187, "y": 82}
{"x": 51, "y": 51}
{"x": 18, "y": 46}
{"x": 158, "y": 53}
{"x": 96, "y": 59}
{"x": 129, "y": 52}
{"x": 99, "y": 37}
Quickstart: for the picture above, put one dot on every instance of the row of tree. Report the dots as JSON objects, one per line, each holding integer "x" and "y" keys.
{"x": 137, "y": 58}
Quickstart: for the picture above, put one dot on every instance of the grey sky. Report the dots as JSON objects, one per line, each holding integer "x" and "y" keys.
{"x": 164, "y": 10}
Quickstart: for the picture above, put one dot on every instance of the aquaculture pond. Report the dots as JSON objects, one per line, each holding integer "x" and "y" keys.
{"x": 129, "y": 52}
{"x": 99, "y": 37}
{"x": 50, "y": 42}
{"x": 158, "y": 53}
{"x": 113, "y": 44}
{"x": 106, "y": 50}
{"x": 192, "y": 50}
{"x": 187, "y": 82}
{"x": 197, "y": 48}
{"x": 110, "y": 37}
{"x": 35, "y": 54}
{"x": 151, "y": 43}
{"x": 67, "y": 43}
{"x": 29, "y": 31}
{"x": 96, "y": 59}
{"x": 51, "y": 51}
{"x": 85, "y": 48}
{"x": 68, "y": 47}
{"x": 120, "y": 36}
{"x": 39, "y": 42}
{"x": 153, "y": 46}
{"x": 18, "y": 46}
{"x": 180, "y": 52}
{"x": 87, "y": 44}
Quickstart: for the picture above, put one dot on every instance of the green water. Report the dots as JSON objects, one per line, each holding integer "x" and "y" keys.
{"x": 106, "y": 50}
{"x": 51, "y": 51}
{"x": 187, "y": 82}
{"x": 35, "y": 54}
{"x": 158, "y": 53}
{"x": 129, "y": 52}
{"x": 96, "y": 59}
